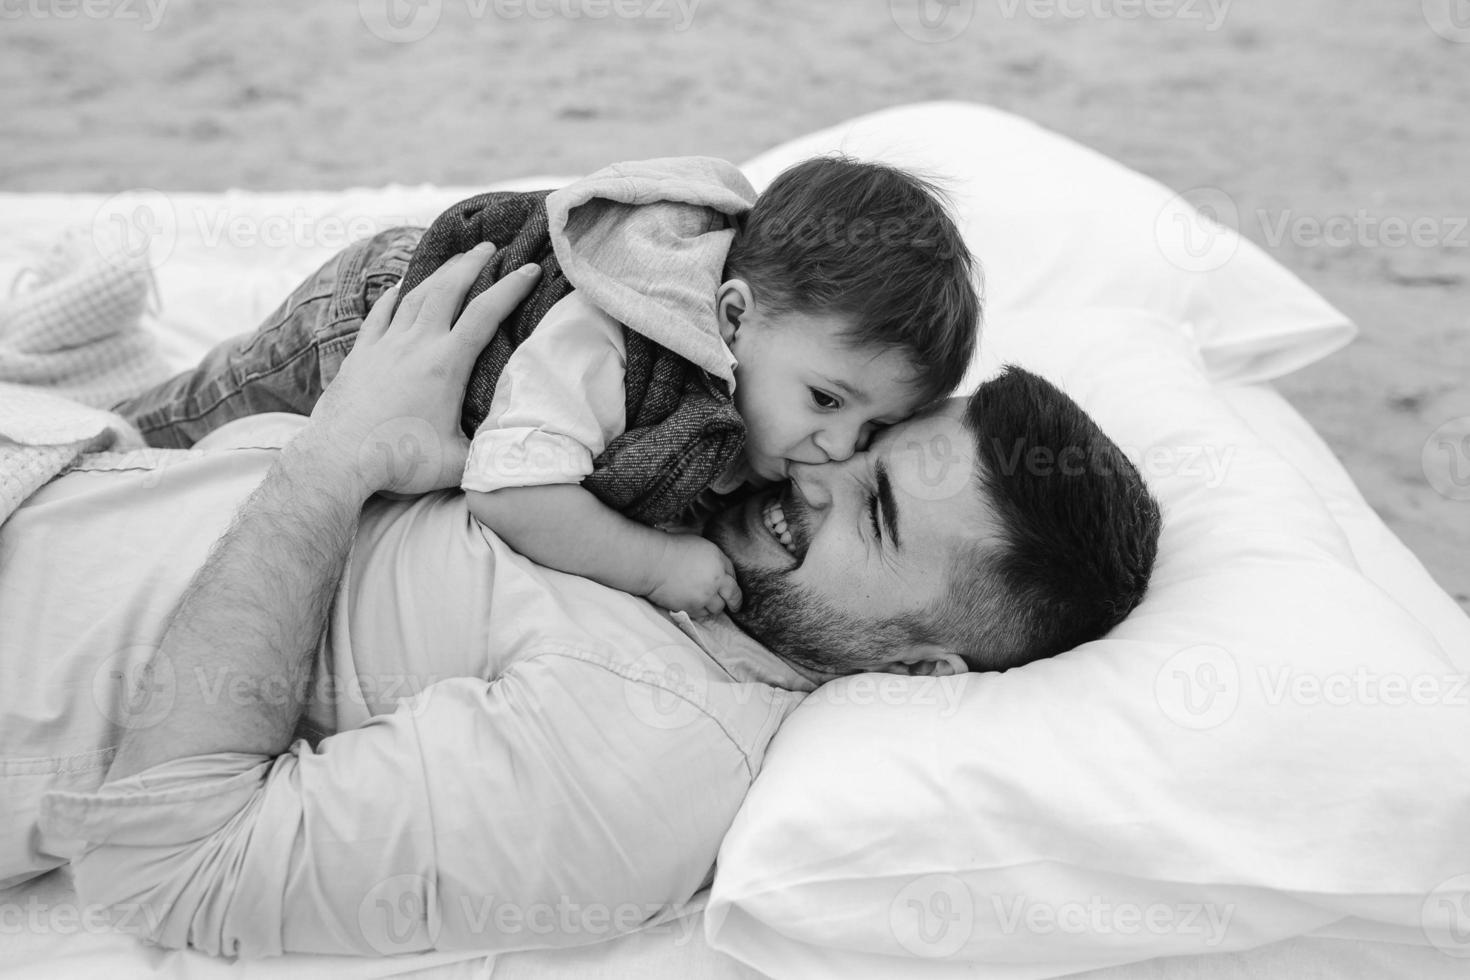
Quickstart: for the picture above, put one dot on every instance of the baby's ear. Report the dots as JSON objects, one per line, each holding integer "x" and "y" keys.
{"x": 732, "y": 300}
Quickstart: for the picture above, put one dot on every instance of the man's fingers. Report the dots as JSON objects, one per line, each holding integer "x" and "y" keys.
{"x": 380, "y": 315}
{"x": 440, "y": 296}
{"x": 485, "y": 313}
{"x": 414, "y": 300}
{"x": 447, "y": 295}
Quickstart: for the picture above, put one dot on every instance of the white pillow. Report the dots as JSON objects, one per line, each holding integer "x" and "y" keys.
{"x": 1057, "y": 225}
{"x": 1244, "y": 759}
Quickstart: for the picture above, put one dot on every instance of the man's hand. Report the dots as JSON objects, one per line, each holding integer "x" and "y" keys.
{"x": 391, "y": 416}
{"x": 256, "y": 611}
{"x": 696, "y": 577}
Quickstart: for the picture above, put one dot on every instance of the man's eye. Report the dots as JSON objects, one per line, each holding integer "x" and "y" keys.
{"x": 873, "y": 517}
{"x": 823, "y": 400}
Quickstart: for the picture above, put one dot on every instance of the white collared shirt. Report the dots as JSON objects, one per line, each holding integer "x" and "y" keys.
{"x": 508, "y": 733}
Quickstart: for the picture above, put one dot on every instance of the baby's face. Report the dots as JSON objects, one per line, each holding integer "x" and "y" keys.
{"x": 807, "y": 396}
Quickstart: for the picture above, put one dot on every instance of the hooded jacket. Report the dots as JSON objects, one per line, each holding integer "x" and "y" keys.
{"x": 646, "y": 243}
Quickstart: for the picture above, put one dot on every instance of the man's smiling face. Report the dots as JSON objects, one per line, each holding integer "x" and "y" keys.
{"x": 827, "y": 561}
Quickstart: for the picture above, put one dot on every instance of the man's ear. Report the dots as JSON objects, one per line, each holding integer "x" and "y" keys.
{"x": 732, "y": 300}
{"x": 929, "y": 659}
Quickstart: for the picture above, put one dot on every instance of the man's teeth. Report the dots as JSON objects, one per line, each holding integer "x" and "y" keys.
{"x": 775, "y": 519}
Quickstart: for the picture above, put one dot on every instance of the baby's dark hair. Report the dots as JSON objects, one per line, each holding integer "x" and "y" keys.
{"x": 875, "y": 245}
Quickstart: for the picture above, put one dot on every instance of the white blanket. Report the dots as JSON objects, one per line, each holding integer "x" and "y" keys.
{"x": 41, "y": 434}
{"x": 218, "y": 282}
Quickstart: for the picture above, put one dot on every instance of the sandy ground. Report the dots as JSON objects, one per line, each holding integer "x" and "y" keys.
{"x": 1351, "y": 112}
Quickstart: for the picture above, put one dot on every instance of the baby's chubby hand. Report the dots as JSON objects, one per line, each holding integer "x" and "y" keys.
{"x": 695, "y": 577}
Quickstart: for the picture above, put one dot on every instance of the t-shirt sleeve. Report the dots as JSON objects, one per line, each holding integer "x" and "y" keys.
{"x": 557, "y": 404}
{"x": 545, "y": 808}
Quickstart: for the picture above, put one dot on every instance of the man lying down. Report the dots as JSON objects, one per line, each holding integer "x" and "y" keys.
{"x": 261, "y": 707}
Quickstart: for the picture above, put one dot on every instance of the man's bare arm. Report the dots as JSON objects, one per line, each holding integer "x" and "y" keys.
{"x": 255, "y": 612}
{"x": 252, "y": 618}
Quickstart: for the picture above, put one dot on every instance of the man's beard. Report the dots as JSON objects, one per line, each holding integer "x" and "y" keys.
{"x": 796, "y": 624}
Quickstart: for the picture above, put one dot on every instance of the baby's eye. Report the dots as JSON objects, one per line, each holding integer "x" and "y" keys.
{"x": 823, "y": 400}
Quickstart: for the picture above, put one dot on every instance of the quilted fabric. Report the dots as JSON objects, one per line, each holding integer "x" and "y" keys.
{"x": 73, "y": 323}
{"x": 71, "y": 344}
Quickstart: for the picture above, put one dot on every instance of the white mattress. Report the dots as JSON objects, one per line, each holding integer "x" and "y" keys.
{"x": 44, "y": 934}
{"x": 212, "y": 292}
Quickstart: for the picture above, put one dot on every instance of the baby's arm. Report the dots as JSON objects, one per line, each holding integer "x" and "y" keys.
{"x": 557, "y": 405}
{"x": 566, "y": 527}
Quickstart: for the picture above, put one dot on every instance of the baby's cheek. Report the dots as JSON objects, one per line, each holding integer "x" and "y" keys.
{"x": 761, "y": 430}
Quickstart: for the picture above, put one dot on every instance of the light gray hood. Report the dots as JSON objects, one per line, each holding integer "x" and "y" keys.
{"x": 645, "y": 241}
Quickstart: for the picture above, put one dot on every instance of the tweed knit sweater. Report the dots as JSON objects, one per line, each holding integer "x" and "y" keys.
{"x": 607, "y": 235}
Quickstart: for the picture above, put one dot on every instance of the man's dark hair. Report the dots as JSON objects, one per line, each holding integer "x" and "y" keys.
{"x": 1078, "y": 531}
{"x": 875, "y": 245}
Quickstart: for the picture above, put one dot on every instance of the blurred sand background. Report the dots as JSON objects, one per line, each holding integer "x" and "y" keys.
{"x": 1302, "y": 110}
